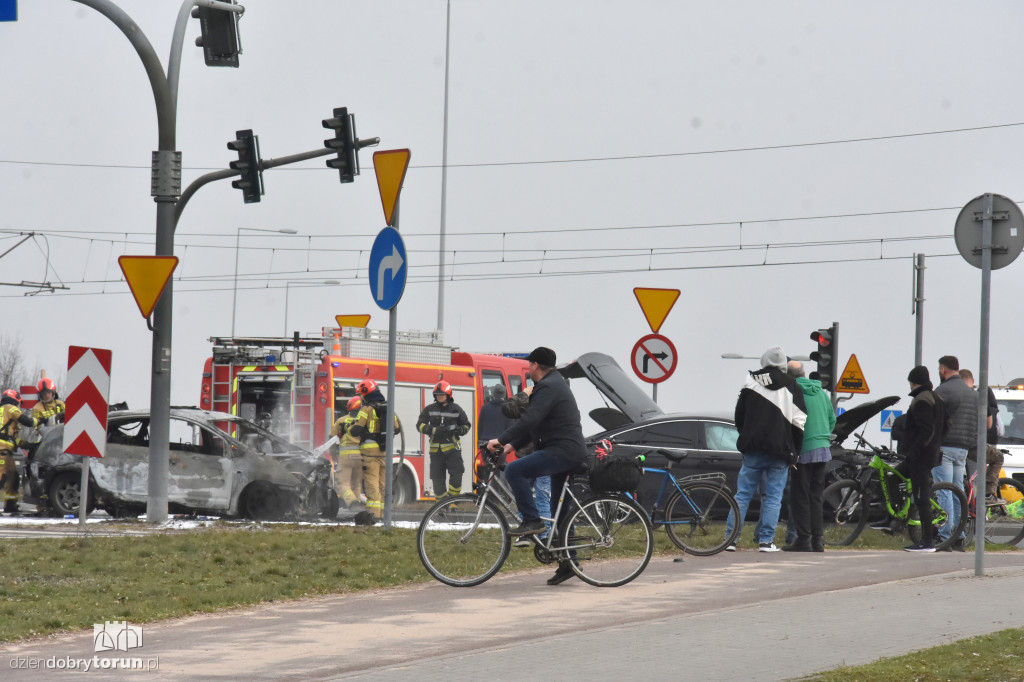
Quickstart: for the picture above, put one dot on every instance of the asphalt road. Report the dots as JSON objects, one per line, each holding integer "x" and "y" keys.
{"x": 742, "y": 615}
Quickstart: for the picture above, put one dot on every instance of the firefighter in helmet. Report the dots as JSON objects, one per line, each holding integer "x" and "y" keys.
{"x": 11, "y": 417}
{"x": 348, "y": 474}
{"x": 369, "y": 428}
{"x": 49, "y": 411}
{"x": 443, "y": 421}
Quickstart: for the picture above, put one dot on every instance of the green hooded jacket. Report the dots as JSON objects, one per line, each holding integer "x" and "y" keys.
{"x": 821, "y": 418}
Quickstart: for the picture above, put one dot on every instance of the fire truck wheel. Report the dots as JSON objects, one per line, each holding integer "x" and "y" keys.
{"x": 404, "y": 487}
{"x": 262, "y": 502}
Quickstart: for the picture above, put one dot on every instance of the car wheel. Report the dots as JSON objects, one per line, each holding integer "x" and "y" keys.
{"x": 262, "y": 502}
{"x": 66, "y": 493}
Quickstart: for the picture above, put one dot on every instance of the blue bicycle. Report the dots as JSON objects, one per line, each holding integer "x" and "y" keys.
{"x": 696, "y": 509}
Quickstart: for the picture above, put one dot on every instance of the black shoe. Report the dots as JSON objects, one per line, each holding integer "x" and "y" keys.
{"x": 529, "y": 528}
{"x": 798, "y": 545}
{"x": 959, "y": 545}
{"x": 563, "y": 573}
{"x": 522, "y": 541}
{"x": 919, "y": 548}
{"x": 817, "y": 543}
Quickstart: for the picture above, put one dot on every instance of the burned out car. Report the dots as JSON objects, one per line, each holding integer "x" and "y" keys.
{"x": 218, "y": 464}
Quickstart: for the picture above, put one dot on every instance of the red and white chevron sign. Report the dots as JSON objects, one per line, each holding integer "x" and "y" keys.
{"x": 85, "y": 423}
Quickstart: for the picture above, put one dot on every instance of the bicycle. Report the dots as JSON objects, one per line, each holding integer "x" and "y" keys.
{"x": 849, "y": 503}
{"x": 464, "y": 540}
{"x": 696, "y": 511}
{"x": 1004, "y": 521}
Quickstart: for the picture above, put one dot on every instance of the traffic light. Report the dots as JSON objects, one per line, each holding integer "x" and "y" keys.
{"x": 251, "y": 183}
{"x": 825, "y": 356}
{"x": 344, "y": 141}
{"x": 219, "y": 39}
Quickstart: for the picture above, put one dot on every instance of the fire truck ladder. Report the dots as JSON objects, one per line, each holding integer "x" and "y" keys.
{"x": 302, "y": 396}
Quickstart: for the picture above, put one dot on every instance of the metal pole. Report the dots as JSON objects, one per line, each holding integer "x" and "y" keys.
{"x": 234, "y": 288}
{"x": 979, "y": 484}
{"x": 918, "y": 308}
{"x": 83, "y": 506}
{"x": 444, "y": 179}
{"x": 285, "y": 332}
{"x": 389, "y": 443}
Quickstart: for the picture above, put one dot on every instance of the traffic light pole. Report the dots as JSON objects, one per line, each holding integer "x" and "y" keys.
{"x": 166, "y": 189}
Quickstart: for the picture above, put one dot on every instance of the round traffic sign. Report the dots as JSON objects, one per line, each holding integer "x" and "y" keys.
{"x": 1007, "y": 231}
{"x": 387, "y": 268}
{"x": 654, "y": 358}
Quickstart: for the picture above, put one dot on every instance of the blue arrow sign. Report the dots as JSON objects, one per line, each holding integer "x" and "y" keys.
{"x": 8, "y": 10}
{"x": 387, "y": 268}
{"x": 888, "y": 417}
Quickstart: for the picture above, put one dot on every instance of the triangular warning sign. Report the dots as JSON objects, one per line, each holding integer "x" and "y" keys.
{"x": 889, "y": 419}
{"x": 390, "y": 167}
{"x": 147, "y": 276}
{"x": 656, "y": 304}
{"x": 852, "y": 379}
{"x": 352, "y": 320}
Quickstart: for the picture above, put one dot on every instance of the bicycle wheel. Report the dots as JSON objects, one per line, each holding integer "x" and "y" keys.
{"x": 695, "y": 520}
{"x": 1004, "y": 524}
{"x": 844, "y": 512}
{"x": 610, "y": 540}
{"x": 940, "y": 521}
{"x": 459, "y": 546}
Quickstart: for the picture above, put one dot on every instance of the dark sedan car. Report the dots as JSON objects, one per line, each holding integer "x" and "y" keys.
{"x": 637, "y": 423}
{"x": 219, "y": 464}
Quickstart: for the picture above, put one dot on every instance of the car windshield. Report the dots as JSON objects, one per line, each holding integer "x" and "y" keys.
{"x": 260, "y": 439}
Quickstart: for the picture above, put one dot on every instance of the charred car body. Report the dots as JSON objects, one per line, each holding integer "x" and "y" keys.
{"x": 219, "y": 464}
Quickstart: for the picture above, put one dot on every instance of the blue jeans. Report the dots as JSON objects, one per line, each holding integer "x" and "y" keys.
{"x": 954, "y": 462}
{"x": 775, "y": 472}
{"x": 542, "y": 491}
{"x": 522, "y": 473}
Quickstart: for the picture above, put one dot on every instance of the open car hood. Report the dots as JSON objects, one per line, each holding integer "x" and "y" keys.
{"x": 630, "y": 401}
{"x": 851, "y": 420}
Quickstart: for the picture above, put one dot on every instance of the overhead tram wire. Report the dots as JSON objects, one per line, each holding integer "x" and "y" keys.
{"x": 631, "y": 157}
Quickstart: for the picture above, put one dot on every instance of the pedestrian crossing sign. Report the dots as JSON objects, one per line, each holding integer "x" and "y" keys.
{"x": 888, "y": 417}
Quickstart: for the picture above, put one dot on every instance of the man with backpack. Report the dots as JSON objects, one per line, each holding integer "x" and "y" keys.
{"x": 920, "y": 439}
{"x": 962, "y": 412}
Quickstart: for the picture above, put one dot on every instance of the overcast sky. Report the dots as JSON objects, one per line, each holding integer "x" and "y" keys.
{"x": 779, "y": 163}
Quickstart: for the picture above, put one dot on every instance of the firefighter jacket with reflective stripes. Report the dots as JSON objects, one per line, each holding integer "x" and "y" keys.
{"x": 42, "y": 412}
{"x": 443, "y": 423}
{"x": 369, "y": 429}
{"x": 348, "y": 445}
{"x": 10, "y": 417}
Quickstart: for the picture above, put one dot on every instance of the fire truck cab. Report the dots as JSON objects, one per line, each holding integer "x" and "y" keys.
{"x": 297, "y": 387}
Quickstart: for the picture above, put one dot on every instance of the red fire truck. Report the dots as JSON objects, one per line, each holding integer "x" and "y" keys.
{"x": 297, "y": 387}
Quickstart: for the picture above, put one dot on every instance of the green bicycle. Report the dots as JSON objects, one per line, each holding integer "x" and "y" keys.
{"x": 878, "y": 492}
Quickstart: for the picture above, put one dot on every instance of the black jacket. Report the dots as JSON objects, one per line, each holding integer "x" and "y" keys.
{"x": 491, "y": 422}
{"x": 552, "y": 421}
{"x": 770, "y": 415}
{"x": 443, "y": 422}
{"x": 921, "y": 436}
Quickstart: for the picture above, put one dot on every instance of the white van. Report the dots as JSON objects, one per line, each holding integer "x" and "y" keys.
{"x": 1011, "y": 413}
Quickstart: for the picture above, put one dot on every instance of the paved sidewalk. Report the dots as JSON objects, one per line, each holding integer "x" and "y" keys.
{"x": 743, "y": 615}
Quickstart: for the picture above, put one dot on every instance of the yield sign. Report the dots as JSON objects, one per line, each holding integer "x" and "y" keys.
{"x": 656, "y": 304}
{"x": 85, "y": 423}
{"x": 352, "y": 320}
{"x": 390, "y": 167}
{"x": 147, "y": 276}
{"x": 654, "y": 358}
{"x": 852, "y": 379}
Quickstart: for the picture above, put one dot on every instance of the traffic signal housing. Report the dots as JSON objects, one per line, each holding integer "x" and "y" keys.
{"x": 251, "y": 183}
{"x": 344, "y": 141}
{"x": 825, "y": 356}
{"x": 219, "y": 38}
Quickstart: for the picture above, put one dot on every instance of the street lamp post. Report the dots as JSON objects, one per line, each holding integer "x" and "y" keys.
{"x": 307, "y": 283}
{"x": 238, "y": 237}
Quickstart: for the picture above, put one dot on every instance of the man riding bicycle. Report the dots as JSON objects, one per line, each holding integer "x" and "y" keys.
{"x": 552, "y": 423}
